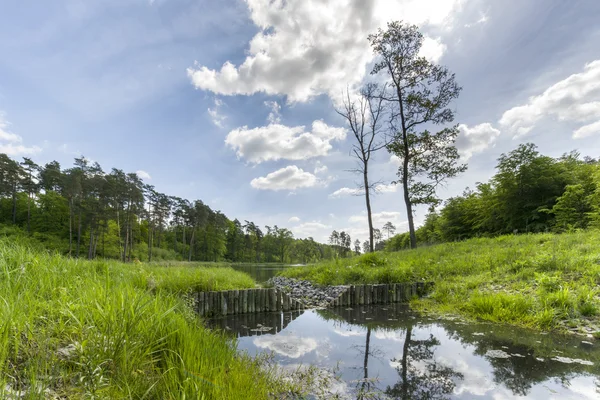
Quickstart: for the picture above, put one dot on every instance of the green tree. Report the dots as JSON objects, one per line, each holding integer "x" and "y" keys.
{"x": 420, "y": 95}
{"x": 571, "y": 209}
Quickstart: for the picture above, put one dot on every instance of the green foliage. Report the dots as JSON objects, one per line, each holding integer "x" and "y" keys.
{"x": 538, "y": 280}
{"x": 107, "y": 330}
{"x": 87, "y": 213}
{"x": 529, "y": 193}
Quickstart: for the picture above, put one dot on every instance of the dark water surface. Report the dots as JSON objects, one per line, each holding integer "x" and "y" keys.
{"x": 390, "y": 352}
{"x": 261, "y": 272}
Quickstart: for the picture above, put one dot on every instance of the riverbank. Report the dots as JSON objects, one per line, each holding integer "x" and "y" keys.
{"x": 102, "y": 329}
{"x": 541, "y": 281}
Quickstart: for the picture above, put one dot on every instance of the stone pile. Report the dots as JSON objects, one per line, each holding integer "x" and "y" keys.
{"x": 305, "y": 292}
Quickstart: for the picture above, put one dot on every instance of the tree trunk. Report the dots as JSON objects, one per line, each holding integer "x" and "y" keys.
{"x": 14, "y": 210}
{"x": 366, "y": 362}
{"x": 91, "y": 244}
{"x": 405, "y": 363}
{"x": 183, "y": 240}
{"x": 119, "y": 231}
{"x": 70, "y": 226}
{"x": 405, "y": 167}
{"x": 409, "y": 212}
{"x": 78, "y": 231}
{"x": 192, "y": 244}
{"x": 368, "y": 201}
{"x": 28, "y": 212}
{"x": 126, "y": 231}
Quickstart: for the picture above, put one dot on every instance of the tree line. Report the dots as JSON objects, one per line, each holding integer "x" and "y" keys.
{"x": 530, "y": 192}
{"x": 83, "y": 211}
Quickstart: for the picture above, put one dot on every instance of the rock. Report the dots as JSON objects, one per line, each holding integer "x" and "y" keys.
{"x": 67, "y": 352}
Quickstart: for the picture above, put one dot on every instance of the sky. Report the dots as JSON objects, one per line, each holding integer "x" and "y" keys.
{"x": 233, "y": 102}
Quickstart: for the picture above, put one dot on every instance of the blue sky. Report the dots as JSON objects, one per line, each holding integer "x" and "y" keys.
{"x": 144, "y": 86}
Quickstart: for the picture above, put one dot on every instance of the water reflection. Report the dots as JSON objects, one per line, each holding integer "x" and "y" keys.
{"x": 391, "y": 353}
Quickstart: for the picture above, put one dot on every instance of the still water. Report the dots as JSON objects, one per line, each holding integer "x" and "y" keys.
{"x": 262, "y": 272}
{"x": 389, "y": 352}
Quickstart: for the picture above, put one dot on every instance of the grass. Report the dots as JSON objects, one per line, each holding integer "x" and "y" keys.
{"x": 544, "y": 281}
{"x": 106, "y": 330}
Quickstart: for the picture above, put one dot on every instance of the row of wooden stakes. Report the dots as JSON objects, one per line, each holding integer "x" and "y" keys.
{"x": 230, "y": 302}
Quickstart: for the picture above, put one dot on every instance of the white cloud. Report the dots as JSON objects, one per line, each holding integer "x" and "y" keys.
{"x": 379, "y": 188}
{"x": 472, "y": 140}
{"x": 305, "y": 48}
{"x": 294, "y": 219}
{"x": 395, "y": 160}
{"x": 484, "y": 18}
{"x": 379, "y": 219}
{"x": 275, "y": 141}
{"x": 274, "y": 116}
{"x": 587, "y": 130}
{"x": 573, "y": 99}
{"x": 288, "y": 345}
{"x": 143, "y": 174}
{"x": 433, "y": 49}
{"x": 314, "y": 229}
{"x": 215, "y": 114}
{"x": 288, "y": 178}
{"x": 320, "y": 168}
{"x": 10, "y": 143}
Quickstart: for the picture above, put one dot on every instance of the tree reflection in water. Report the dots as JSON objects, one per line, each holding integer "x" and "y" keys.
{"x": 421, "y": 377}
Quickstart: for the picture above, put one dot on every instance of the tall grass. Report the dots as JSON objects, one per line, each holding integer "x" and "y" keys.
{"x": 542, "y": 280}
{"x": 79, "y": 329}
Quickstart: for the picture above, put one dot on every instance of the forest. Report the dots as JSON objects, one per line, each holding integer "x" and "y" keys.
{"x": 84, "y": 212}
{"x": 529, "y": 193}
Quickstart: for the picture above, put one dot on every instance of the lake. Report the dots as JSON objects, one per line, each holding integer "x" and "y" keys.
{"x": 390, "y": 352}
{"x": 261, "y": 272}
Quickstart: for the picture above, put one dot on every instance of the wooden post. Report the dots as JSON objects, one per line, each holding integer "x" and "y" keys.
{"x": 244, "y": 301}
{"x": 284, "y": 302}
{"x": 200, "y": 303}
{"x": 278, "y": 305}
{"x": 272, "y": 299}
{"x": 223, "y": 300}
{"x": 251, "y": 300}
{"x": 386, "y": 294}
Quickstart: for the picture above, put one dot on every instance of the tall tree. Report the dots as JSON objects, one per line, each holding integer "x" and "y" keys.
{"x": 389, "y": 228}
{"x": 30, "y": 184}
{"x": 420, "y": 95}
{"x": 364, "y": 118}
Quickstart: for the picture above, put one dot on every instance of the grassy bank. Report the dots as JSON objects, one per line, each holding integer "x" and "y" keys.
{"x": 544, "y": 281}
{"x": 80, "y": 329}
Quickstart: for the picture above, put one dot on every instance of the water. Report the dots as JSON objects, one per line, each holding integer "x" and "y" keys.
{"x": 390, "y": 352}
{"x": 261, "y": 272}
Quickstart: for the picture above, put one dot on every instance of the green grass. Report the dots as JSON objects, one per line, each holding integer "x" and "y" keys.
{"x": 544, "y": 281}
{"x": 106, "y": 330}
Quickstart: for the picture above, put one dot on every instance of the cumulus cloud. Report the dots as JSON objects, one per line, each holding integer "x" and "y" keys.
{"x": 288, "y": 178}
{"x": 587, "y": 130}
{"x": 294, "y": 219}
{"x": 11, "y": 143}
{"x": 215, "y": 114}
{"x": 275, "y": 141}
{"x": 574, "y": 99}
{"x": 143, "y": 174}
{"x": 379, "y": 188}
{"x": 305, "y": 48}
{"x": 472, "y": 140}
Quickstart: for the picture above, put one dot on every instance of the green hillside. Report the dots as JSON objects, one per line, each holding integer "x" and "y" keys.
{"x": 539, "y": 280}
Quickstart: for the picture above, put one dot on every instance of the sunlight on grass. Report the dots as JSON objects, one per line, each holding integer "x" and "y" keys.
{"x": 102, "y": 329}
{"x": 541, "y": 280}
